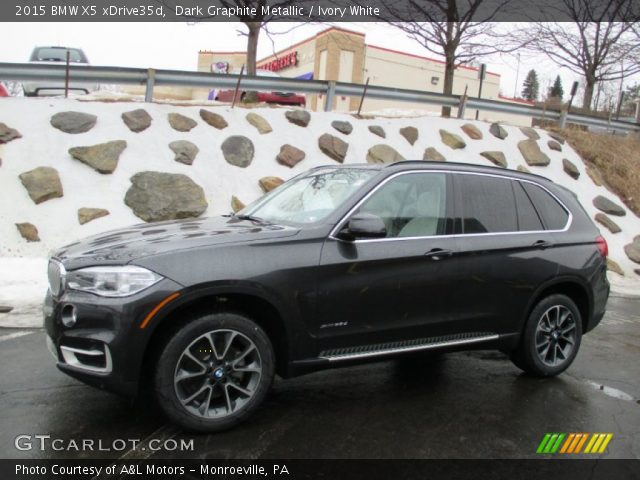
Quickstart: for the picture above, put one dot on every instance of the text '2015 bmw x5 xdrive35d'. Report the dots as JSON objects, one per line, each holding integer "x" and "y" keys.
{"x": 340, "y": 264}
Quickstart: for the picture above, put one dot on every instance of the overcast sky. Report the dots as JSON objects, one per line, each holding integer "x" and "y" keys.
{"x": 176, "y": 45}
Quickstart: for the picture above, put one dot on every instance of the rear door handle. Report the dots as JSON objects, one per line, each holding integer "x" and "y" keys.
{"x": 438, "y": 253}
{"x": 542, "y": 244}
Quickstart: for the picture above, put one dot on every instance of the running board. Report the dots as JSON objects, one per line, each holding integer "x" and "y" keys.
{"x": 380, "y": 349}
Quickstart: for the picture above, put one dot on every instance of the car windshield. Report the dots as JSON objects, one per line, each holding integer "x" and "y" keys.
{"x": 58, "y": 54}
{"x": 308, "y": 198}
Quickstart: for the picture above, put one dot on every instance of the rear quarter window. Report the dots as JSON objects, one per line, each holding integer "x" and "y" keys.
{"x": 552, "y": 214}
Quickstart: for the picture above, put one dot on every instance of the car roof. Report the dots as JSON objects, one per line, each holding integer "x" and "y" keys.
{"x": 405, "y": 165}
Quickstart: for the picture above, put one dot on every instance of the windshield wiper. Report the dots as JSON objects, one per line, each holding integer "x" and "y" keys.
{"x": 251, "y": 218}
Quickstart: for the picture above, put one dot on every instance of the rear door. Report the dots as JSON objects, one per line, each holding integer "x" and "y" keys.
{"x": 504, "y": 251}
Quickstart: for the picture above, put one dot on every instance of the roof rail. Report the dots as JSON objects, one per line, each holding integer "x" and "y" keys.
{"x": 462, "y": 164}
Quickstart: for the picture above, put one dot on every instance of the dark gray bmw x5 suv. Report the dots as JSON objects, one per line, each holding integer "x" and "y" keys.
{"x": 339, "y": 265}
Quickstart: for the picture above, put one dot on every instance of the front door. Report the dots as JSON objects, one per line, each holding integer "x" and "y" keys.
{"x": 394, "y": 288}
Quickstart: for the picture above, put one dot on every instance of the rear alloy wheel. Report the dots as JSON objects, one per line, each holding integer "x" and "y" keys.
{"x": 214, "y": 372}
{"x": 551, "y": 338}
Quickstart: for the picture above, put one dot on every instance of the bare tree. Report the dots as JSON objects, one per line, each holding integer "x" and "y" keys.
{"x": 599, "y": 43}
{"x": 459, "y": 31}
{"x": 255, "y": 23}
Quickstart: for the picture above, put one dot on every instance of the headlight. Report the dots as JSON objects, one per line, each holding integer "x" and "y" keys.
{"x": 112, "y": 281}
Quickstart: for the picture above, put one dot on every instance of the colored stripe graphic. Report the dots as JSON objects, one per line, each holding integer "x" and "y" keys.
{"x": 572, "y": 443}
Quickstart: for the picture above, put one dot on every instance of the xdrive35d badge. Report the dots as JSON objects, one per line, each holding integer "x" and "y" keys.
{"x": 339, "y": 265}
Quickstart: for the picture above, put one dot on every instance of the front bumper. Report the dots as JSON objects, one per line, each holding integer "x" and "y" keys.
{"x": 106, "y": 346}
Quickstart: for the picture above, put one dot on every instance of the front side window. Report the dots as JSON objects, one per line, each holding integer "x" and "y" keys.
{"x": 309, "y": 198}
{"x": 410, "y": 205}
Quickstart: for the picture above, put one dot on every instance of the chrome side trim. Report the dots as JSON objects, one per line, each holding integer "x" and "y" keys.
{"x": 345, "y": 218}
{"x": 70, "y": 358}
{"x": 413, "y": 348}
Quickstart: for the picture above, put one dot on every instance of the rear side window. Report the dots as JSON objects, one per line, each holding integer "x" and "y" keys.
{"x": 553, "y": 215}
{"x": 487, "y": 203}
{"x": 528, "y": 218}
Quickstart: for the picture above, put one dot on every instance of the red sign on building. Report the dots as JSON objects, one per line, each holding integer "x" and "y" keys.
{"x": 288, "y": 60}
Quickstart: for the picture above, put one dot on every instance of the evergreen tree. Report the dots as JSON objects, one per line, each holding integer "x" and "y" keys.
{"x": 557, "y": 91}
{"x": 531, "y": 86}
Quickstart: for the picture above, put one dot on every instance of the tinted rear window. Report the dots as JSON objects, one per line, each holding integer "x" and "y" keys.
{"x": 554, "y": 216}
{"x": 528, "y": 218}
{"x": 488, "y": 204}
{"x": 52, "y": 54}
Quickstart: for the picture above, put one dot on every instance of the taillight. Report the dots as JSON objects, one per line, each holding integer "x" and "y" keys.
{"x": 603, "y": 248}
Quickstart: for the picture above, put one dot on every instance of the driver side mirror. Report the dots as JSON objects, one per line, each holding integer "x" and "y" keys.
{"x": 363, "y": 225}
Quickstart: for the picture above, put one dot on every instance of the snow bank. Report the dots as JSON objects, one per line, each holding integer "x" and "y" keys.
{"x": 23, "y": 268}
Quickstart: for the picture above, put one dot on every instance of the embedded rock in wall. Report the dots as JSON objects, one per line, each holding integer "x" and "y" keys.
{"x": 236, "y": 204}
{"x": 180, "y": 122}
{"x": 333, "y": 147}
{"x": 103, "y": 158}
{"x": 523, "y": 169}
{"x": 156, "y": 196}
{"x": 85, "y": 215}
{"x": 377, "y": 130}
{"x": 530, "y": 133}
{"x": 472, "y": 131}
{"x": 259, "y": 123}
{"x": 570, "y": 169}
{"x": 497, "y": 158}
{"x": 614, "y": 267}
{"x": 238, "y": 150}
{"x": 214, "y": 119}
{"x": 298, "y": 117}
{"x": 73, "y": 122}
{"x": 553, "y": 145}
{"x": 557, "y": 137}
{"x": 432, "y": 155}
{"x": 137, "y": 120}
{"x": 342, "y": 126}
{"x": 497, "y": 131}
{"x": 612, "y": 226}
{"x": 532, "y": 153}
{"x": 28, "y": 231}
{"x": 452, "y": 140}
{"x": 7, "y": 133}
{"x": 383, "y": 154}
{"x": 42, "y": 184}
{"x": 269, "y": 183}
{"x": 633, "y": 249}
{"x": 185, "y": 151}
{"x": 410, "y": 134}
{"x": 289, "y": 156}
{"x": 607, "y": 206}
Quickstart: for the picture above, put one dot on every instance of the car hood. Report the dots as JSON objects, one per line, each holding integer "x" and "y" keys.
{"x": 142, "y": 240}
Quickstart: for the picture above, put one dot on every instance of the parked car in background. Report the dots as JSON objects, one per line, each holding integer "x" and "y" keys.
{"x": 3, "y": 91}
{"x": 339, "y": 265}
{"x": 57, "y": 56}
{"x": 280, "y": 98}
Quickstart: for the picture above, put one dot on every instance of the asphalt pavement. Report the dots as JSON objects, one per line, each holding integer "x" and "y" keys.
{"x": 460, "y": 405}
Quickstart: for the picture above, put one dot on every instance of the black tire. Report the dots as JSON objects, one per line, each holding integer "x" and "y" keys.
{"x": 174, "y": 361}
{"x": 532, "y": 354}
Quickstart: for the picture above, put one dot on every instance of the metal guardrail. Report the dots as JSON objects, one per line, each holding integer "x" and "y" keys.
{"x": 151, "y": 77}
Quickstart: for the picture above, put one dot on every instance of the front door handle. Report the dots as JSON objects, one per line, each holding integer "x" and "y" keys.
{"x": 542, "y": 244}
{"x": 438, "y": 253}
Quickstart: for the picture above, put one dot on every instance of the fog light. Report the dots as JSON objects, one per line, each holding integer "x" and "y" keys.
{"x": 69, "y": 316}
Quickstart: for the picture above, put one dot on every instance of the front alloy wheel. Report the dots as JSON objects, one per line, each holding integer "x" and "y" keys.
{"x": 217, "y": 373}
{"x": 214, "y": 372}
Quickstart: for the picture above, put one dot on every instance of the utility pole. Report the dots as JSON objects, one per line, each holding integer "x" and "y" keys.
{"x": 515, "y": 88}
{"x": 482, "y": 72}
